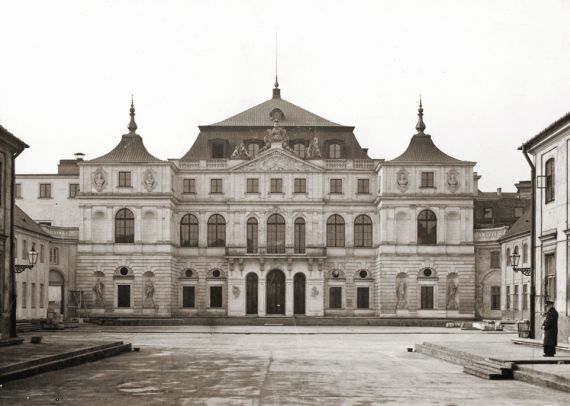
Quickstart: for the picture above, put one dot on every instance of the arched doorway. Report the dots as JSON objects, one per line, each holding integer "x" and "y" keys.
{"x": 299, "y": 293}
{"x": 275, "y": 292}
{"x": 251, "y": 293}
{"x": 55, "y": 292}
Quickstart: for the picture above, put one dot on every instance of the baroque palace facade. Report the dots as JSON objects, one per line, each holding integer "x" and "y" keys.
{"x": 274, "y": 211}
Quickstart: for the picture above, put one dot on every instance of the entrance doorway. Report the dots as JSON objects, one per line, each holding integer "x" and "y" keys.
{"x": 275, "y": 292}
{"x": 251, "y": 293}
{"x": 299, "y": 282}
{"x": 55, "y": 293}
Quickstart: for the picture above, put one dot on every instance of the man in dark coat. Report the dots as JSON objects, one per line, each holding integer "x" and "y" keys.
{"x": 550, "y": 326}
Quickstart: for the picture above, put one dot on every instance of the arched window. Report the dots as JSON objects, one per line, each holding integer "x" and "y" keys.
{"x": 334, "y": 151}
{"x": 525, "y": 253}
{"x": 335, "y": 231}
{"x": 216, "y": 231}
{"x": 189, "y": 231}
{"x": 124, "y": 226}
{"x": 299, "y": 236}
{"x": 252, "y": 236}
{"x": 362, "y": 231}
{"x": 427, "y": 228}
{"x": 549, "y": 180}
{"x": 276, "y": 234}
{"x": 299, "y": 149}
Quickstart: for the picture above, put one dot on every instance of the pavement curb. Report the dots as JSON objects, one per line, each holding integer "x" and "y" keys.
{"x": 60, "y": 361}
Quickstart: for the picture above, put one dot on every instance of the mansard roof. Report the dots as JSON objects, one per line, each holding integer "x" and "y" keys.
{"x": 422, "y": 148}
{"x": 25, "y": 222}
{"x": 130, "y": 149}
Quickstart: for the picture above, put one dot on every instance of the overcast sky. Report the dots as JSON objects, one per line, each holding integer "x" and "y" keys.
{"x": 492, "y": 74}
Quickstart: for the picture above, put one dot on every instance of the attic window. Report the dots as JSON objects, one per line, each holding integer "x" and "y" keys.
{"x": 277, "y": 114}
{"x": 253, "y": 149}
{"x": 217, "y": 150}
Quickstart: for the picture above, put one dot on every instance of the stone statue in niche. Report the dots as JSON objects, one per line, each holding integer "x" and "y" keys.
{"x": 98, "y": 290}
{"x": 314, "y": 292}
{"x": 452, "y": 180}
{"x": 149, "y": 181}
{"x": 99, "y": 179}
{"x": 401, "y": 294}
{"x": 313, "y": 150}
{"x": 148, "y": 293}
{"x": 236, "y": 291}
{"x": 402, "y": 180}
{"x": 452, "y": 290}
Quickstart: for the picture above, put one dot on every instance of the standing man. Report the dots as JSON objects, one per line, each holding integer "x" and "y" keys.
{"x": 550, "y": 327}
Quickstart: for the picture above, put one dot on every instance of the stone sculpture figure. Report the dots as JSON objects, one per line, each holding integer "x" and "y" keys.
{"x": 452, "y": 288}
{"x": 235, "y": 154}
{"x": 313, "y": 150}
{"x": 148, "y": 293}
{"x": 98, "y": 292}
{"x": 401, "y": 294}
{"x": 243, "y": 151}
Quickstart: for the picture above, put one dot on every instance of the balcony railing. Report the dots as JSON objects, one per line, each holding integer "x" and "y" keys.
{"x": 216, "y": 163}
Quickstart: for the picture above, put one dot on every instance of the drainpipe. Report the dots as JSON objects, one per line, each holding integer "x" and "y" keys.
{"x": 532, "y": 240}
{"x": 12, "y": 270}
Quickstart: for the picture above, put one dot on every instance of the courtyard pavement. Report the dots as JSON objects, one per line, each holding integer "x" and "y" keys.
{"x": 271, "y": 365}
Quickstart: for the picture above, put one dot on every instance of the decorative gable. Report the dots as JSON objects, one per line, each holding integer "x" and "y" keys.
{"x": 277, "y": 160}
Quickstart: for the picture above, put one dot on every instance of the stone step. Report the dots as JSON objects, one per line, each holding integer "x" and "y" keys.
{"x": 531, "y": 375}
{"x": 484, "y": 373}
{"x": 59, "y": 361}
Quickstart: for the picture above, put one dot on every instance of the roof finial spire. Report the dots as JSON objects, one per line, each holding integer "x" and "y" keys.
{"x": 132, "y": 125}
{"x": 276, "y": 90}
{"x": 420, "y": 126}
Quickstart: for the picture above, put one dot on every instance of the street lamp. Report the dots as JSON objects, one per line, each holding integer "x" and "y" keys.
{"x": 32, "y": 260}
{"x": 515, "y": 258}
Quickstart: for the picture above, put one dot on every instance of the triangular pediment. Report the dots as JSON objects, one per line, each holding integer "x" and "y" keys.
{"x": 277, "y": 160}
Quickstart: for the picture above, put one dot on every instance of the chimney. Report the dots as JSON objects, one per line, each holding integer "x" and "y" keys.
{"x": 499, "y": 191}
{"x": 79, "y": 156}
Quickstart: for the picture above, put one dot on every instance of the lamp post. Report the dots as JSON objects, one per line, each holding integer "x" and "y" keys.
{"x": 515, "y": 258}
{"x": 32, "y": 260}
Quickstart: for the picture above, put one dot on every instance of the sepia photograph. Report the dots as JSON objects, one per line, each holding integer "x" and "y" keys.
{"x": 262, "y": 202}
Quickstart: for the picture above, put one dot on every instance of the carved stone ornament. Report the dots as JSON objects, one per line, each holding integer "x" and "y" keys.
{"x": 452, "y": 293}
{"x": 99, "y": 179}
{"x": 236, "y": 291}
{"x": 402, "y": 180}
{"x": 148, "y": 294}
{"x": 313, "y": 150}
{"x": 453, "y": 180}
{"x": 278, "y": 162}
{"x": 149, "y": 180}
{"x": 314, "y": 292}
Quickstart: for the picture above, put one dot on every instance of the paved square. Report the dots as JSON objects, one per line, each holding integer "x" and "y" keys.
{"x": 272, "y": 365}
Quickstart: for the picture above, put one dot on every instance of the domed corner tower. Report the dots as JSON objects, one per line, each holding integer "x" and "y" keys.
{"x": 426, "y": 256}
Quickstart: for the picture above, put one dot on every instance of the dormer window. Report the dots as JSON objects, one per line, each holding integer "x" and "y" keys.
{"x": 218, "y": 150}
{"x": 334, "y": 151}
{"x": 253, "y": 149}
{"x": 276, "y": 115}
{"x": 299, "y": 149}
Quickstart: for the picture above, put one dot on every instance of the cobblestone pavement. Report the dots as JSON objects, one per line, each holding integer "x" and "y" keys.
{"x": 341, "y": 366}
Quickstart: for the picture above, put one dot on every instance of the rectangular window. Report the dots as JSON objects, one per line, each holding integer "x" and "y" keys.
{"x": 525, "y": 297}
{"x": 495, "y": 259}
{"x": 188, "y": 296}
{"x": 276, "y": 185}
{"x": 252, "y": 185}
{"x": 218, "y": 150}
{"x": 508, "y": 298}
{"x": 18, "y": 190}
{"x": 550, "y": 285}
{"x": 427, "y": 297}
{"x": 495, "y": 298}
{"x": 215, "y": 186}
{"x": 252, "y": 236}
{"x": 487, "y": 212}
{"x": 215, "y": 296}
{"x": 299, "y": 237}
{"x": 34, "y": 294}
{"x": 516, "y": 298}
{"x": 363, "y": 186}
{"x": 189, "y": 186}
{"x": 45, "y": 190}
{"x": 73, "y": 190}
{"x": 518, "y": 212}
{"x": 54, "y": 256}
{"x": 549, "y": 180}
{"x": 336, "y": 186}
{"x": 42, "y": 295}
{"x": 42, "y": 254}
{"x": 123, "y": 295}
{"x": 24, "y": 295}
{"x": 362, "y": 298}
{"x": 252, "y": 149}
{"x": 124, "y": 179}
{"x": 427, "y": 180}
{"x": 25, "y": 250}
{"x": 335, "y": 297}
{"x": 300, "y": 185}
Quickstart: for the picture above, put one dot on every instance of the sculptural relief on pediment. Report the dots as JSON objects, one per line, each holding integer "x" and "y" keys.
{"x": 277, "y": 162}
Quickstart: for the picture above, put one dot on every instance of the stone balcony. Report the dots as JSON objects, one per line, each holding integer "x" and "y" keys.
{"x": 62, "y": 233}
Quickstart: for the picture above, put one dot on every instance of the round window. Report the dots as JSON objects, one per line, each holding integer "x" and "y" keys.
{"x": 363, "y": 274}
{"x": 124, "y": 271}
{"x": 188, "y": 273}
{"x": 216, "y": 273}
{"x": 335, "y": 273}
{"x": 427, "y": 272}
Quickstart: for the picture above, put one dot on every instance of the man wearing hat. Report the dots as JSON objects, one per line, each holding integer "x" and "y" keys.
{"x": 550, "y": 327}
